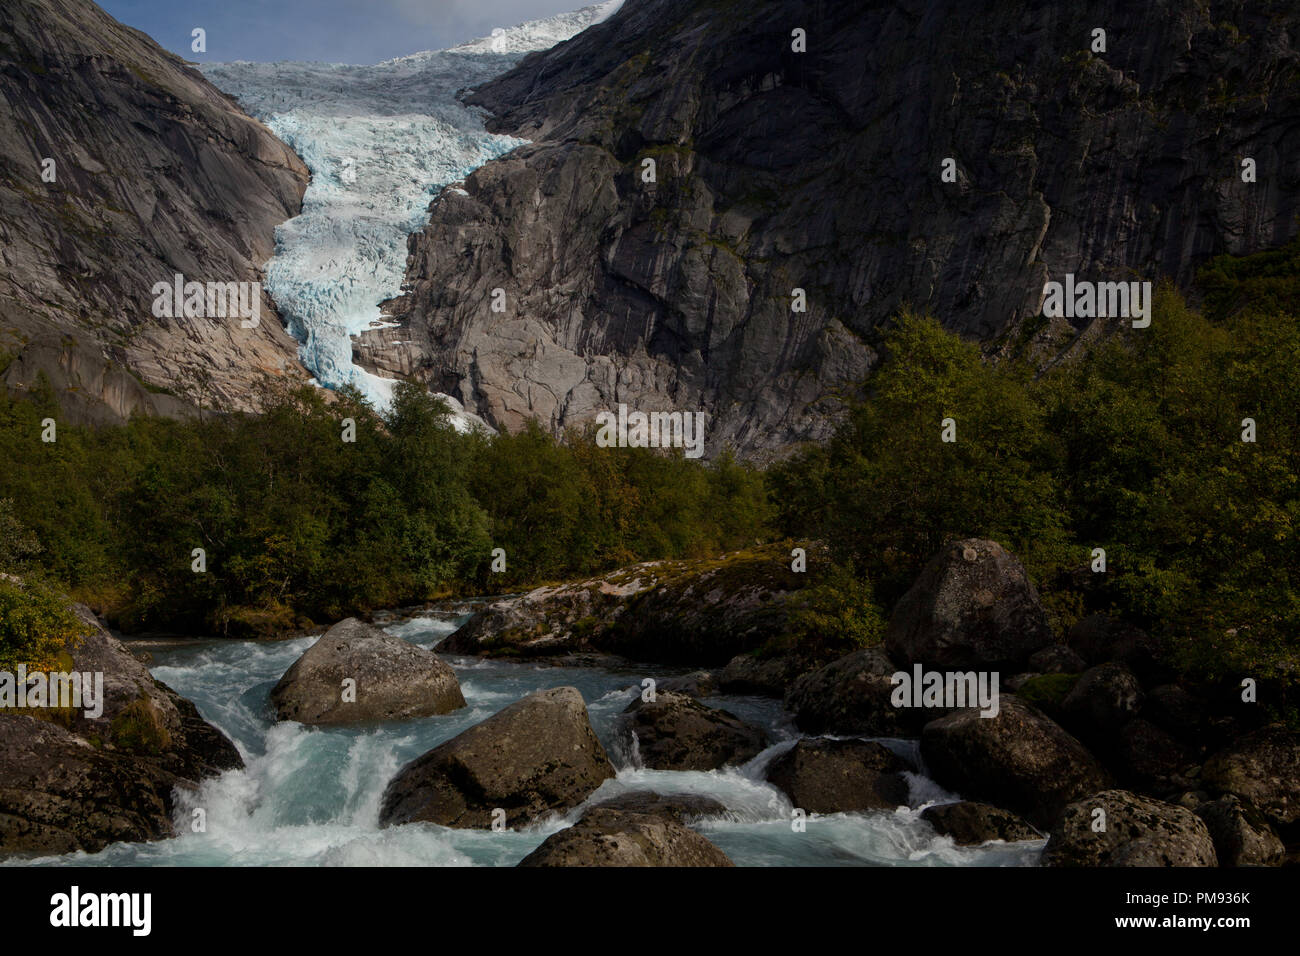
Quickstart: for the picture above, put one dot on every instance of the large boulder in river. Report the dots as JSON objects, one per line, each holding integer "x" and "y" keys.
{"x": 1138, "y": 831}
{"x": 394, "y": 679}
{"x": 1019, "y": 759}
{"x": 676, "y": 732}
{"x": 852, "y": 695}
{"x": 605, "y": 837}
{"x": 537, "y": 756}
{"x": 1264, "y": 768}
{"x": 73, "y": 780}
{"x": 840, "y": 776}
{"x": 970, "y": 823}
{"x": 973, "y": 607}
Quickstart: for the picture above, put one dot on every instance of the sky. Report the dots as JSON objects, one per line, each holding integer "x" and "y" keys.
{"x": 337, "y": 31}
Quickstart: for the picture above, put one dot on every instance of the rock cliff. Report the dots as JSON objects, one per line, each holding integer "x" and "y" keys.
{"x": 154, "y": 173}
{"x": 821, "y": 170}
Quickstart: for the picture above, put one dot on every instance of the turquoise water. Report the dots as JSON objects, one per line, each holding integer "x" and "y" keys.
{"x": 311, "y": 796}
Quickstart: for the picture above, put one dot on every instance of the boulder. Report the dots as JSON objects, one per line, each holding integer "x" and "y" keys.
{"x": 694, "y": 684}
{"x": 605, "y": 837}
{"x": 973, "y": 607}
{"x": 1242, "y": 837}
{"x": 1102, "y": 700}
{"x": 768, "y": 676}
{"x": 970, "y": 823}
{"x": 1150, "y": 759}
{"x": 1264, "y": 768}
{"x": 852, "y": 695}
{"x": 1099, "y": 638}
{"x": 840, "y": 776}
{"x": 1019, "y": 759}
{"x": 395, "y": 680}
{"x": 537, "y": 756}
{"x": 676, "y": 732}
{"x": 73, "y": 781}
{"x": 682, "y": 807}
{"x": 1138, "y": 831}
{"x": 1175, "y": 710}
{"x": 1057, "y": 659}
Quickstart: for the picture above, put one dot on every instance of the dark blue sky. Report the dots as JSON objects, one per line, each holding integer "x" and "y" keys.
{"x": 343, "y": 31}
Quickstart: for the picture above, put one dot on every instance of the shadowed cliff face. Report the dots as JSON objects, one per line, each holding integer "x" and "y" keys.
{"x": 820, "y": 170}
{"x": 158, "y": 173}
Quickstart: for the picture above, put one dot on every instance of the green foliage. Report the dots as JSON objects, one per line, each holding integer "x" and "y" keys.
{"x": 299, "y": 526}
{"x": 36, "y": 625}
{"x": 138, "y": 727}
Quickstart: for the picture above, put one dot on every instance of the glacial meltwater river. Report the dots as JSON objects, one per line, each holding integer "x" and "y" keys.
{"x": 311, "y": 796}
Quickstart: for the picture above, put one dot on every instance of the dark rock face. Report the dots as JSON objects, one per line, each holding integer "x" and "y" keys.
{"x": 820, "y": 170}
{"x": 537, "y": 756}
{"x": 676, "y": 732}
{"x": 1019, "y": 759}
{"x": 86, "y": 782}
{"x": 1152, "y": 760}
{"x": 970, "y": 824}
{"x": 395, "y": 680}
{"x": 852, "y": 696}
{"x": 973, "y": 606}
{"x": 606, "y": 837}
{"x": 1138, "y": 832}
{"x": 1242, "y": 837}
{"x": 1056, "y": 659}
{"x": 1099, "y": 638}
{"x": 694, "y": 684}
{"x": 682, "y": 807}
{"x": 157, "y": 173}
{"x": 1103, "y": 699}
{"x": 1264, "y": 768}
{"x": 840, "y": 776}
{"x": 768, "y": 677}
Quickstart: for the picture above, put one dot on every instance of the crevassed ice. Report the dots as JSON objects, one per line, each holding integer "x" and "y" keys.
{"x": 380, "y": 142}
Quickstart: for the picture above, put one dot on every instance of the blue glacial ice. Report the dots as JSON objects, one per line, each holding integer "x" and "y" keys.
{"x": 381, "y": 141}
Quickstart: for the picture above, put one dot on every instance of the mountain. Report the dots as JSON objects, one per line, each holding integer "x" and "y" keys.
{"x": 381, "y": 140}
{"x": 156, "y": 173}
{"x": 821, "y": 170}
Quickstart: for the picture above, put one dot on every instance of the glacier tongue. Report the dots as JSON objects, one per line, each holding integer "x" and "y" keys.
{"x": 380, "y": 141}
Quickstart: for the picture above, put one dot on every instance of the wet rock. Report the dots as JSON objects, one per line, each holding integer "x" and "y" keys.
{"x": 1019, "y": 759}
{"x": 394, "y": 679}
{"x": 694, "y": 684}
{"x": 69, "y": 781}
{"x": 769, "y": 677}
{"x": 970, "y": 823}
{"x": 676, "y": 732}
{"x": 973, "y": 607}
{"x": 852, "y": 695}
{"x": 682, "y": 807}
{"x": 1138, "y": 831}
{"x": 1242, "y": 837}
{"x": 840, "y": 776}
{"x": 537, "y": 756}
{"x": 605, "y": 837}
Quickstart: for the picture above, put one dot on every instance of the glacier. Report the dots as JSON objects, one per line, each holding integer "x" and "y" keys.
{"x": 381, "y": 141}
